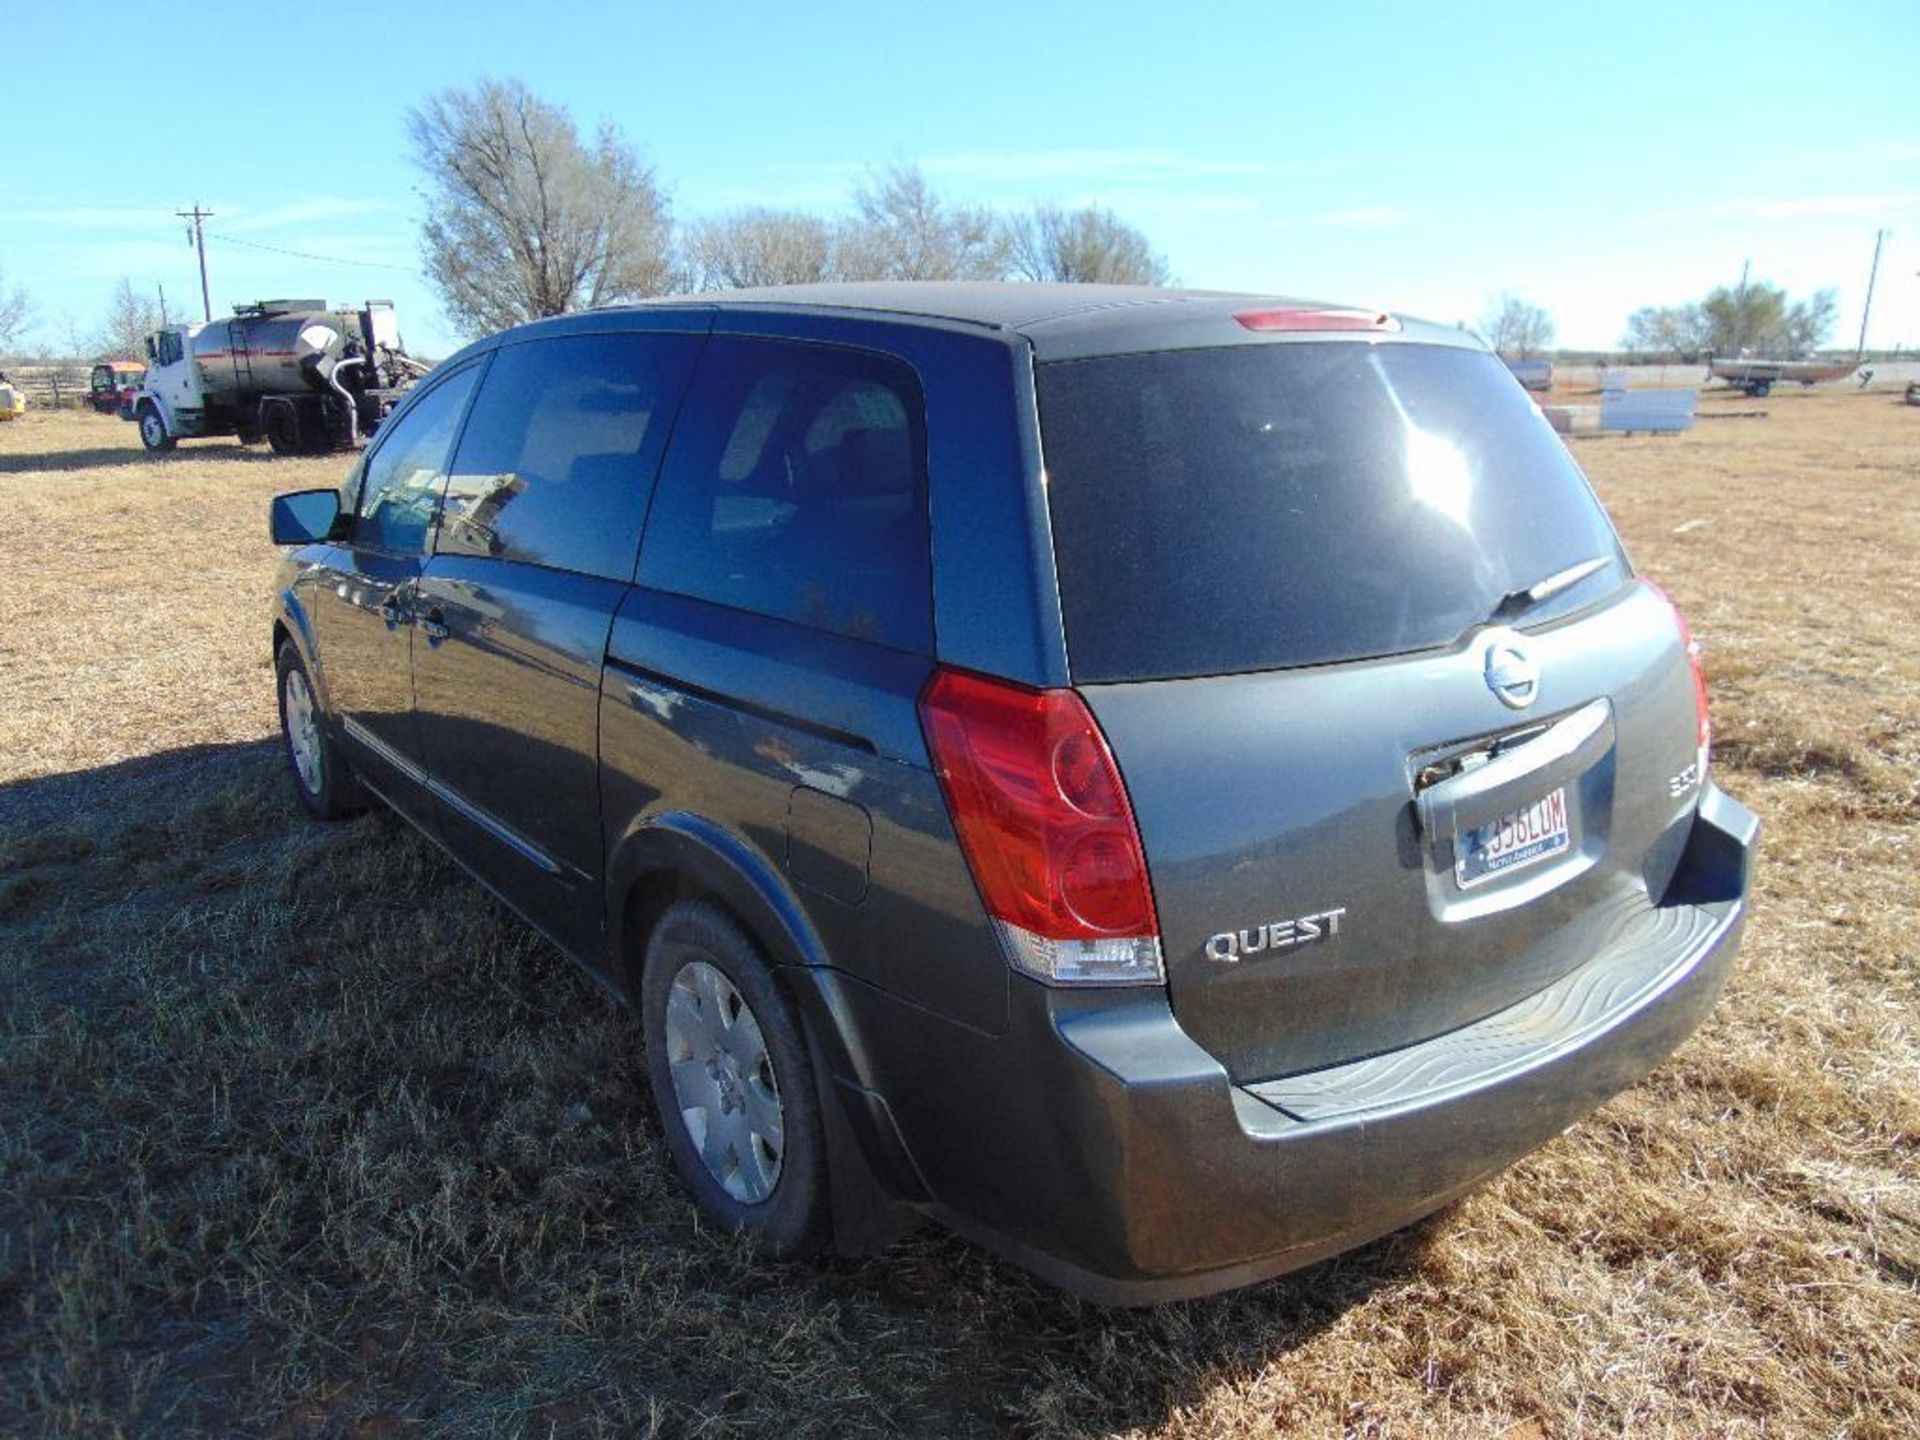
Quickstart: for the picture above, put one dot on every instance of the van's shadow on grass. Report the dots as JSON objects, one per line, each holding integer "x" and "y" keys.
{"x": 254, "y": 1068}
{"x": 133, "y": 453}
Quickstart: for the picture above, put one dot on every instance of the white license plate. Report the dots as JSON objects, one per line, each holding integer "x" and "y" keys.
{"x": 1523, "y": 838}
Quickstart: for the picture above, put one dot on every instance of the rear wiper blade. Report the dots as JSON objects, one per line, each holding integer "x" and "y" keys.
{"x": 1516, "y": 603}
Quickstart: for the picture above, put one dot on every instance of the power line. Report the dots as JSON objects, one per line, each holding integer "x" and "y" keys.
{"x": 307, "y": 255}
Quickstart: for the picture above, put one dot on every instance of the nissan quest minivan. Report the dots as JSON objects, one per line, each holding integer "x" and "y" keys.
{"x": 1170, "y": 785}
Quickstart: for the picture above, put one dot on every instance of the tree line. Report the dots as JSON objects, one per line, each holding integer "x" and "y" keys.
{"x": 1759, "y": 319}
{"x": 120, "y": 333}
{"x": 527, "y": 218}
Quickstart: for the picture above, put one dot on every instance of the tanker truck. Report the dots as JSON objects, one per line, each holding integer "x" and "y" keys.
{"x": 305, "y": 378}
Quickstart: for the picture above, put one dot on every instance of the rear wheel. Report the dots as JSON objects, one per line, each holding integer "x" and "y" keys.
{"x": 729, "y": 1071}
{"x": 283, "y": 429}
{"x": 153, "y": 431}
{"x": 321, "y": 779}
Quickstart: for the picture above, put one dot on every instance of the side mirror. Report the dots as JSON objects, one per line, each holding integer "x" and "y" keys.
{"x": 305, "y": 517}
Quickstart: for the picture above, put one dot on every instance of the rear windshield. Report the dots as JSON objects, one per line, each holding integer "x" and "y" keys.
{"x": 1266, "y": 506}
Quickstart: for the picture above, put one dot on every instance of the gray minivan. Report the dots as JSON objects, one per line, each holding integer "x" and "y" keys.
{"x": 1171, "y": 785}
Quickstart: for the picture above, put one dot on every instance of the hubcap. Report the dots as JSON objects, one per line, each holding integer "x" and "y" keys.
{"x": 723, "y": 1082}
{"x": 150, "y": 428}
{"x": 303, "y": 731}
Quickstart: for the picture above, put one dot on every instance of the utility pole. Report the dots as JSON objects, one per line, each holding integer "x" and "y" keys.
{"x": 197, "y": 215}
{"x": 1879, "y": 239}
{"x": 163, "y": 304}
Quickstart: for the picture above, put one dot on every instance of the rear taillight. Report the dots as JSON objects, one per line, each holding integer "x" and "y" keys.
{"x": 1702, "y": 726}
{"x": 1316, "y": 318}
{"x": 1046, "y": 827}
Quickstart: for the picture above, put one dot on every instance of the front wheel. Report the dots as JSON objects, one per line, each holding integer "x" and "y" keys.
{"x": 153, "y": 431}
{"x": 321, "y": 779}
{"x": 729, "y": 1071}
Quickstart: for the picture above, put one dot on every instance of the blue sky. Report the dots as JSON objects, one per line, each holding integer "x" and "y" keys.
{"x": 1419, "y": 157}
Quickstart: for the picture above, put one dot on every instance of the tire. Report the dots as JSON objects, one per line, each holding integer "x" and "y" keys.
{"x": 322, "y": 781}
{"x": 283, "y": 429}
{"x": 702, "y": 974}
{"x": 153, "y": 431}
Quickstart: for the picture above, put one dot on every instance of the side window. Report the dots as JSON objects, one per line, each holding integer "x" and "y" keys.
{"x": 557, "y": 463}
{"x": 796, "y": 486}
{"x": 400, "y": 483}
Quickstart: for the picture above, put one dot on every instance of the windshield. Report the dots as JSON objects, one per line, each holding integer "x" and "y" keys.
{"x": 1265, "y": 506}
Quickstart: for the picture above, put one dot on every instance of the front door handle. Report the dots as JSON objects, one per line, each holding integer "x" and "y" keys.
{"x": 434, "y": 622}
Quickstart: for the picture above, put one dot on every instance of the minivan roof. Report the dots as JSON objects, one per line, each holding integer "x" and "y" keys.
{"x": 1063, "y": 321}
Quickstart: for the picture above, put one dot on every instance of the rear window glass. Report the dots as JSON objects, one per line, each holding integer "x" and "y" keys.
{"x": 1265, "y": 506}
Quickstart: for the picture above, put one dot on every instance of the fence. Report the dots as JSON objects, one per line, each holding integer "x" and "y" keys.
{"x": 48, "y": 387}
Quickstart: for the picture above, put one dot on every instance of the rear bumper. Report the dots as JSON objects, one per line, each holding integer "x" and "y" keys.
{"x": 1097, "y": 1145}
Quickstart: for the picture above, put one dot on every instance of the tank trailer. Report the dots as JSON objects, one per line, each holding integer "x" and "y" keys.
{"x": 305, "y": 378}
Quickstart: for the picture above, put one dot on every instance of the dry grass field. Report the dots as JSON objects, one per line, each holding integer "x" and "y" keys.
{"x": 301, "y": 1135}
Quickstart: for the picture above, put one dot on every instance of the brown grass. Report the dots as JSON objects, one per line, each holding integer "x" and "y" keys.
{"x": 301, "y": 1135}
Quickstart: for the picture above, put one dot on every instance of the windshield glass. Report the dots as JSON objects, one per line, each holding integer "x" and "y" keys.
{"x": 1265, "y": 506}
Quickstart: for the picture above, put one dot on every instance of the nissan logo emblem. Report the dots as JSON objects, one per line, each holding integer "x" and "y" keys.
{"x": 1511, "y": 673}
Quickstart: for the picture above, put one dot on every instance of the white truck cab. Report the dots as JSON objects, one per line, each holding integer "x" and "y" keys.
{"x": 172, "y": 402}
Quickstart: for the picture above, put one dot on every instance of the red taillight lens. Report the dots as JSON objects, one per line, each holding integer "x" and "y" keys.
{"x": 1703, "y": 728}
{"x": 1316, "y": 319}
{"x": 1045, "y": 825}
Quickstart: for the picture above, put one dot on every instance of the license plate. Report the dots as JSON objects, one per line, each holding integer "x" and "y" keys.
{"x": 1523, "y": 838}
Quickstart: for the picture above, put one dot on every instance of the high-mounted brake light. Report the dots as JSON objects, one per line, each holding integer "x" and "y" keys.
{"x": 1319, "y": 318}
{"x": 1702, "y": 724}
{"x": 1046, "y": 827}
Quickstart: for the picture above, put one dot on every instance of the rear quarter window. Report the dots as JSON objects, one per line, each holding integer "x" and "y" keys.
{"x": 1267, "y": 506}
{"x": 796, "y": 487}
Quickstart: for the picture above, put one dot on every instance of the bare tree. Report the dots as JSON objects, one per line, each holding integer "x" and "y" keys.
{"x": 1085, "y": 245}
{"x": 525, "y": 220}
{"x": 130, "y": 318}
{"x": 758, "y": 247}
{"x": 16, "y": 313}
{"x": 1516, "y": 328}
{"x": 904, "y": 230}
